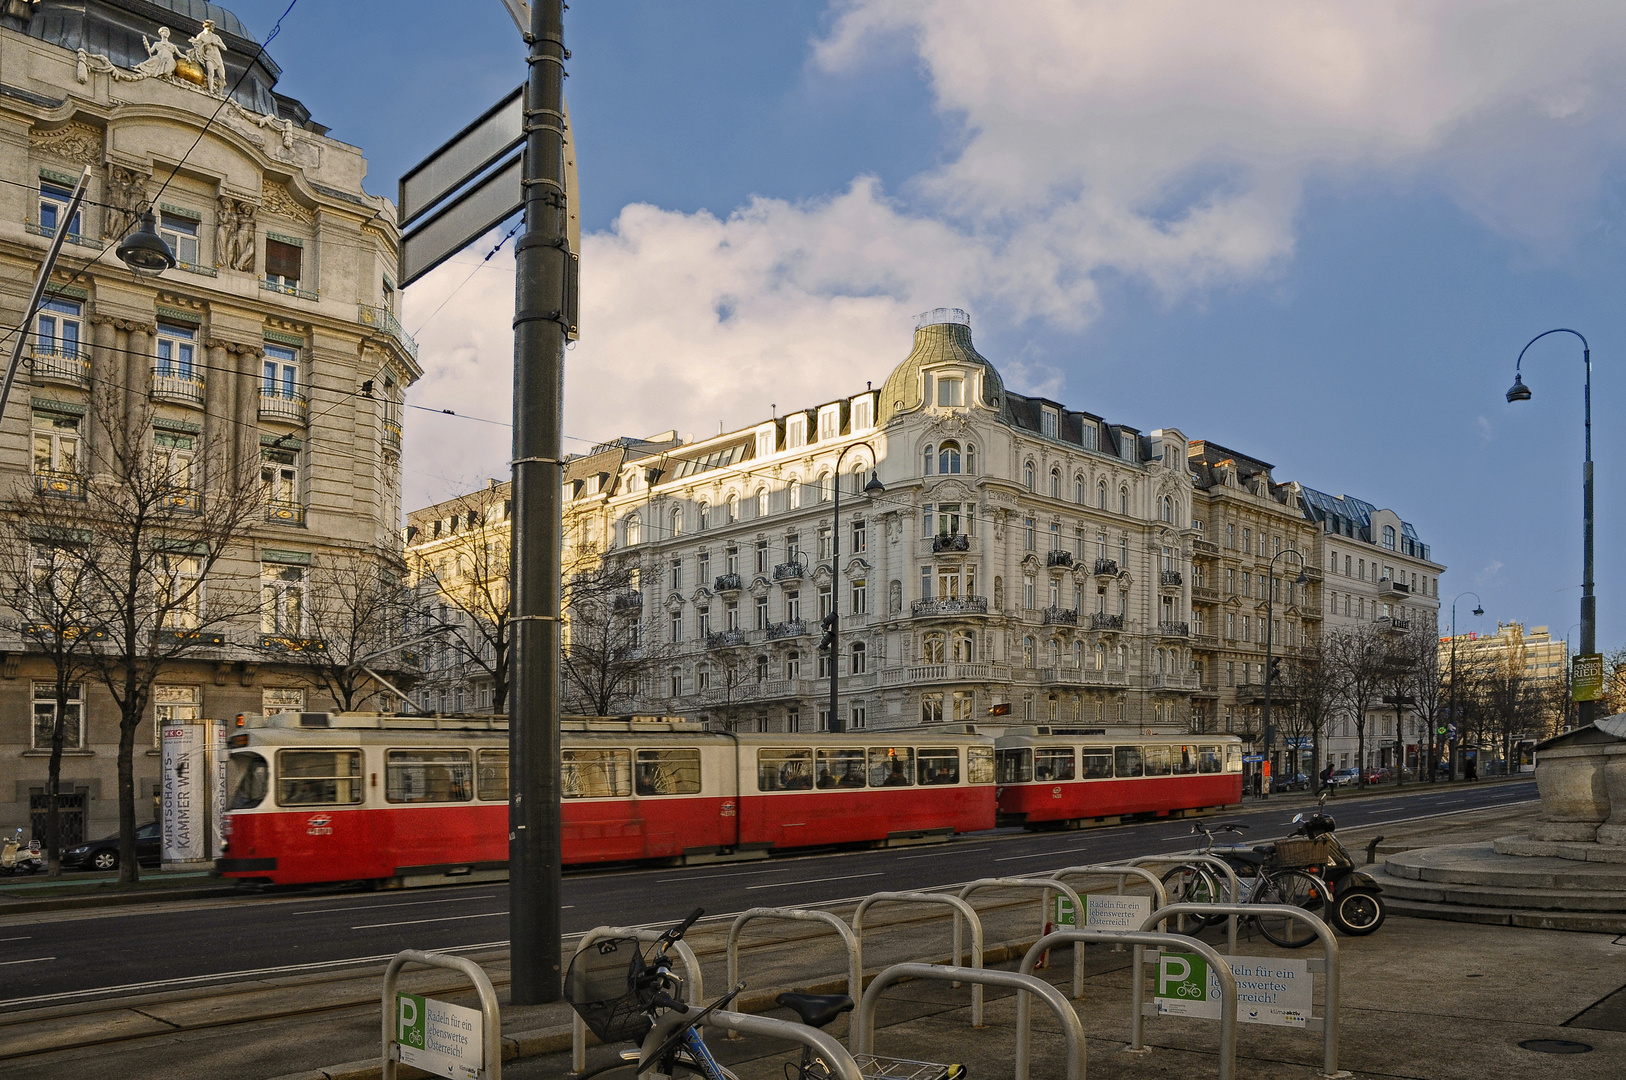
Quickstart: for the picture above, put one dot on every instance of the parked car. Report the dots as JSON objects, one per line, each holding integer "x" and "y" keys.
{"x": 1345, "y": 777}
{"x": 103, "y": 854}
{"x": 1378, "y": 776}
{"x": 1296, "y": 782}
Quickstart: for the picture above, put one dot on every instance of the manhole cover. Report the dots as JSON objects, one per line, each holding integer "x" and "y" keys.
{"x": 1556, "y": 1046}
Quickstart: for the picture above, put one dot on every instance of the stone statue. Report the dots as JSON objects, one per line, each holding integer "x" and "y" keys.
{"x": 226, "y": 233}
{"x": 999, "y": 593}
{"x": 895, "y": 598}
{"x": 243, "y": 239}
{"x": 126, "y": 195}
{"x": 161, "y": 55}
{"x": 208, "y": 51}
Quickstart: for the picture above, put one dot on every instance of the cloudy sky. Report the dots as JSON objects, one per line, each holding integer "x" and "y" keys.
{"x": 1316, "y": 233}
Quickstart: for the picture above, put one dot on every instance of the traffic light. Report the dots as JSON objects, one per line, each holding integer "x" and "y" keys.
{"x": 828, "y": 642}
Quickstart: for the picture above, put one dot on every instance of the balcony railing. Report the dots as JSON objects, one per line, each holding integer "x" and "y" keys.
{"x": 954, "y": 542}
{"x": 950, "y": 605}
{"x": 726, "y": 639}
{"x": 172, "y": 382}
{"x": 1205, "y": 547}
{"x": 1100, "y": 620}
{"x": 1174, "y": 629}
{"x": 64, "y": 364}
{"x": 182, "y": 500}
{"x": 384, "y": 319}
{"x": 1107, "y": 567}
{"x": 1200, "y": 640}
{"x": 945, "y": 673}
{"x": 1177, "y": 680}
{"x": 1389, "y": 586}
{"x": 789, "y": 628}
{"x": 628, "y": 600}
{"x": 285, "y": 513}
{"x": 49, "y": 231}
{"x": 289, "y": 289}
{"x": 1390, "y": 625}
{"x": 1170, "y": 578}
{"x": 1069, "y": 675}
{"x": 1060, "y": 616}
{"x": 788, "y": 571}
{"x": 277, "y": 404}
{"x": 63, "y": 484}
{"x": 290, "y": 643}
{"x": 390, "y": 434}
{"x": 1202, "y": 594}
{"x": 1059, "y": 558}
{"x": 727, "y": 583}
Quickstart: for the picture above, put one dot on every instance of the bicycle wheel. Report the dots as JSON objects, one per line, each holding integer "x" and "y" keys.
{"x": 1194, "y": 883}
{"x": 1292, "y": 888}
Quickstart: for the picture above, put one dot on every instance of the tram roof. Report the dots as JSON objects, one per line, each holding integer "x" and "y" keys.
{"x": 372, "y": 721}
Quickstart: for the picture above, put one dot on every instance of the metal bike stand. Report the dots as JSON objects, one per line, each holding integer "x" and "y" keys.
{"x": 693, "y": 982}
{"x": 960, "y": 907}
{"x": 1208, "y": 860}
{"x": 1160, "y": 896}
{"x": 491, "y": 1018}
{"x": 1139, "y": 939}
{"x": 1046, "y": 884}
{"x": 842, "y": 1065}
{"x": 1327, "y": 964}
{"x": 855, "y": 972}
{"x": 1072, "y": 1030}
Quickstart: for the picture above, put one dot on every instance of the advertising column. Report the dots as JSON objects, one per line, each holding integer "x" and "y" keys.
{"x": 192, "y": 792}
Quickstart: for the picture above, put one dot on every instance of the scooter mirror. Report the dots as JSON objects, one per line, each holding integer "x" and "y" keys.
{"x": 1298, "y": 819}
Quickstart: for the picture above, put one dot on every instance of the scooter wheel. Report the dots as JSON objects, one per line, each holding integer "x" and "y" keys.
{"x": 1358, "y": 912}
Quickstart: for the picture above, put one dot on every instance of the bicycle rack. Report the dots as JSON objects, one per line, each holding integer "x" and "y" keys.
{"x": 1210, "y": 860}
{"x": 960, "y": 907}
{"x": 491, "y": 1018}
{"x": 1119, "y": 871}
{"x": 855, "y": 971}
{"x": 1047, "y": 884}
{"x": 1071, "y": 1028}
{"x": 1327, "y": 964}
{"x": 693, "y": 982}
{"x": 842, "y": 1065}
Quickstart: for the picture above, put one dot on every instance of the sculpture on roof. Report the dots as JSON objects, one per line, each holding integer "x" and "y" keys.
{"x": 208, "y": 51}
{"x": 161, "y": 55}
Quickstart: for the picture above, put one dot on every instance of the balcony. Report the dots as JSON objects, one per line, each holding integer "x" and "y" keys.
{"x": 788, "y": 629}
{"x": 1059, "y": 616}
{"x": 954, "y": 542}
{"x": 949, "y": 605}
{"x": 1106, "y": 567}
{"x": 390, "y": 435}
{"x": 1202, "y": 594}
{"x": 788, "y": 571}
{"x": 1254, "y": 693}
{"x": 1201, "y": 640}
{"x": 177, "y": 383}
{"x": 1391, "y": 625}
{"x": 289, "y": 288}
{"x": 1170, "y": 579}
{"x": 288, "y": 643}
{"x": 628, "y": 600}
{"x": 789, "y": 688}
{"x": 64, "y": 364}
{"x": 49, "y": 231}
{"x": 1062, "y": 559}
{"x": 1391, "y": 587}
{"x": 1176, "y": 680}
{"x": 1066, "y": 675}
{"x": 384, "y": 319}
{"x": 727, "y": 583}
{"x": 728, "y": 639}
{"x": 278, "y": 512}
{"x": 61, "y": 484}
{"x": 276, "y": 404}
{"x": 1174, "y": 629}
{"x": 182, "y": 501}
{"x": 1100, "y": 620}
{"x": 912, "y": 674}
{"x": 1205, "y": 548}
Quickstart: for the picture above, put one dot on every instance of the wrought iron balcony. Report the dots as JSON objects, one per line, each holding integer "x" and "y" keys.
{"x": 290, "y": 643}
{"x": 1205, "y": 547}
{"x": 1107, "y": 567}
{"x": 1390, "y": 625}
{"x": 790, "y": 628}
{"x": 727, "y": 583}
{"x": 788, "y": 571}
{"x": 725, "y": 639}
{"x": 1059, "y": 558}
{"x": 951, "y": 542}
{"x": 390, "y": 435}
{"x": 1200, "y": 640}
{"x": 49, "y": 231}
{"x": 182, "y": 500}
{"x": 289, "y": 288}
{"x": 1170, "y": 577}
{"x": 951, "y": 605}
{"x": 278, "y": 404}
{"x": 63, "y": 364}
{"x": 63, "y": 484}
{"x": 176, "y": 382}
{"x": 1100, "y": 620}
{"x": 630, "y": 599}
{"x": 1060, "y": 616}
{"x": 1174, "y": 629}
{"x": 384, "y": 319}
{"x": 285, "y": 513}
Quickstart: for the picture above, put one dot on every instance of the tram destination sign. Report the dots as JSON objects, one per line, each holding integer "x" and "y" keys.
{"x": 447, "y": 1040}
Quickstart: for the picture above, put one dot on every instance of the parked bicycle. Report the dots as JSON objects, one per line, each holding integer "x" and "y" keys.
{"x": 620, "y": 987}
{"x": 1267, "y": 873}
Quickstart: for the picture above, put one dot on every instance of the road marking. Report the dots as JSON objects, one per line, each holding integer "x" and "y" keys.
{"x": 1040, "y": 855}
{"x": 420, "y": 922}
{"x": 36, "y": 960}
{"x": 25, "y": 937}
{"x": 408, "y": 903}
{"x": 940, "y": 854}
{"x": 813, "y": 881}
{"x": 713, "y": 877}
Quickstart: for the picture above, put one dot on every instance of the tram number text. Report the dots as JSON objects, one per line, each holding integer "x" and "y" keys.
{"x": 728, "y": 810}
{"x": 319, "y": 825}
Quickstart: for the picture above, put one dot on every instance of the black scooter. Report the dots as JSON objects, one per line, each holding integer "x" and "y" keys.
{"x": 1357, "y": 902}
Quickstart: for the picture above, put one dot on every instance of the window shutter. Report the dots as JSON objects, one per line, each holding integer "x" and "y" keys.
{"x": 282, "y": 260}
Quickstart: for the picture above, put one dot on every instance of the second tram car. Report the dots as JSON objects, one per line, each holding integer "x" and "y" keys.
{"x": 1054, "y": 779}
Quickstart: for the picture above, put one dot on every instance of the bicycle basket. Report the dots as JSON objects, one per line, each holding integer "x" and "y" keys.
{"x": 1303, "y": 852}
{"x": 599, "y": 986}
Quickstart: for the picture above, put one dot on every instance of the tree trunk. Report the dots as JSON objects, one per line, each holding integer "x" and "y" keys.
{"x": 53, "y": 785}
{"x": 129, "y": 871}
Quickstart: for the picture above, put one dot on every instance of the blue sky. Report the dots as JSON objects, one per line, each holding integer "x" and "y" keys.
{"x": 1318, "y": 235}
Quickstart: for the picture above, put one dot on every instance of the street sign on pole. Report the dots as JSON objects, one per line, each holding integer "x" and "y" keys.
{"x": 1586, "y": 677}
{"x": 473, "y": 214}
{"x": 465, "y": 155}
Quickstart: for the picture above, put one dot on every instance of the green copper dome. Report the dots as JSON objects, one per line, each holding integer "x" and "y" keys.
{"x": 942, "y": 335}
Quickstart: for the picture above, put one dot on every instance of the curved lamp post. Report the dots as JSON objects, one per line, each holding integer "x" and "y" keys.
{"x": 1479, "y": 609}
{"x": 1589, "y": 611}
{"x": 832, "y": 621}
{"x": 1270, "y": 622}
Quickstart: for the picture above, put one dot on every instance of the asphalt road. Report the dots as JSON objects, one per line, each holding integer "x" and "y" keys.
{"x": 58, "y": 958}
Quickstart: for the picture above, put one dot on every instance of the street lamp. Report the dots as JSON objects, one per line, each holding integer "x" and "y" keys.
{"x": 144, "y": 251}
{"x": 1589, "y": 611}
{"x": 1270, "y": 600}
{"x": 1479, "y": 609}
{"x": 832, "y": 621}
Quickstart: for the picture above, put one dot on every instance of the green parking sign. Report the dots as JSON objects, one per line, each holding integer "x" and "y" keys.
{"x": 1066, "y": 913}
{"x": 1182, "y": 985}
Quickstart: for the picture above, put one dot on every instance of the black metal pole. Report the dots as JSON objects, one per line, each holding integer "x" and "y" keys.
{"x": 540, "y": 305}
{"x": 835, "y": 598}
{"x": 1270, "y": 598}
{"x": 1589, "y": 609}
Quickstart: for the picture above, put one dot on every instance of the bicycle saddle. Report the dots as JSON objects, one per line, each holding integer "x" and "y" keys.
{"x": 816, "y": 1010}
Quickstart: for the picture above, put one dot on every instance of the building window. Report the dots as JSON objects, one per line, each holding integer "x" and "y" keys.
{"x": 860, "y": 597}
{"x": 963, "y": 647}
{"x": 796, "y": 431}
{"x": 732, "y": 512}
{"x": 1123, "y": 500}
{"x": 56, "y": 444}
{"x": 282, "y": 699}
{"x": 861, "y": 417}
{"x": 931, "y": 648}
{"x": 54, "y": 202}
{"x": 1101, "y": 494}
{"x": 634, "y": 530}
{"x": 931, "y": 708}
{"x": 829, "y": 423}
{"x": 1049, "y": 423}
{"x": 677, "y": 574}
{"x": 1028, "y": 597}
{"x": 970, "y": 459}
{"x": 1078, "y": 489}
{"x": 45, "y": 716}
{"x": 1389, "y": 537}
{"x": 704, "y": 613}
{"x": 175, "y": 351}
{"x": 282, "y": 599}
{"x": 793, "y": 605}
{"x": 282, "y": 269}
{"x": 856, "y": 665}
{"x": 703, "y": 519}
{"x": 762, "y": 612}
{"x": 948, "y": 458}
{"x": 793, "y": 665}
{"x": 857, "y": 715}
{"x": 1029, "y": 540}
{"x": 676, "y": 624}
{"x": 181, "y": 234}
{"x": 281, "y": 373}
{"x": 178, "y": 590}
{"x": 731, "y": 615}
{"x": 928, "y": 463}
{"x": 677, "y": 521}
{"x": 860, "y": 538}
{"x": 1055, "y": 483}
{"x": 279, "y": 477}
{"x": 762, "y": 502}
{"x": 58, "y": 325}
{"x": 1168, "y": 509}
{"x": 1029, "y": 480}
{"x": 950, "y": 392}
{"x": 172, "y": 703}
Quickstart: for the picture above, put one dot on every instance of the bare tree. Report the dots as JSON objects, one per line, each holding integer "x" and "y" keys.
{"x": 608, "y": 657}
{"x": 1308, "y": 682}
{"x": 463, "y": 586}
{"x": 1358, "y": 659}
{"x": 353, "y": 617}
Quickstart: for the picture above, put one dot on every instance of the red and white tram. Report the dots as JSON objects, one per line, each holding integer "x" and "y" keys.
{"x": 1057, "y": 779}
{"x": 340, "y": 797}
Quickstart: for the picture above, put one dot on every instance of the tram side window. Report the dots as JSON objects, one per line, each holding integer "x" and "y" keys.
{"x": 979, "y": 765}
{"x": 938, "y": 765}
{"x": 318, "y": 777}
{"x": 668, "y": 772}
{"x": 1157, "y": 760}
{"x": 782, "y": 768}
{"x": 1208, "y": 759}
{"x": 841, "y": 767}
{"x": 491, "y": 776}
{"x": 1233, "y": 758}
{"x": 891, "y": 766}
{"x": 417, "y": 776}
{"x": 1126, "y": 760}
{"x": 1184, "y": 759}
{"x": 1015, "y": 766}
{"x": 596, "y": 774}
{"x": 1096, "y": 765}
{"x": 248, "y": 776}
{"x": 1053, "y": 763}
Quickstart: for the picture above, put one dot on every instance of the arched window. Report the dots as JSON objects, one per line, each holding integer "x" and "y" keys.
{"x": 856, "y": 666}
{"x": 1078, "y": 489}
{"x": 1159, "y": 662}
{"x": 1028, "y": 478}
{"x": 826, "y": 480}
{"x": 1389, "y": 537}
{"x": 1123, "y": 500}
{"x": 1168, "y": 509}
{"x": 948, "y": 458}
{"x": 931, "y": 649}
{"x": 762, "y": 669}
{"x": 795, "y": 493}
{"x": 793, "y": 665}
{"x": 929, "y": 463}
{"x": 970, "y": 459}
{"x": 762, "y": 502}
{"x": 1028, "y": 647}
{"x": 1055, "y": 653}
{"x": 704, "y": 517}
{"x": 1100, "y": 657}
{"x": 857, "y": 486}
{"x": 1055, "y": 483}
{"x": 677, "y": 521}
{"x": 1078, "y": 654}
{"x": 733, "y": 509}
{"x": 964, "y": 647}
{"x": 1101, "y": 494}
{"x": 635, "y": 530}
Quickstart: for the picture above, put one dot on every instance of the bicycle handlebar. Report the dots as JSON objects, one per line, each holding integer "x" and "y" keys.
{"x": 682, "y": 928}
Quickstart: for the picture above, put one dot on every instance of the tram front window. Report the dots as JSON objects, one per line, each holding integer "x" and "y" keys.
{"x": 248, "y": 777}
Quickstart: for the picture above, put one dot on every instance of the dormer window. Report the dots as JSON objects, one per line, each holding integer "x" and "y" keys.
{"x": 950, "y": 392}
{"x": 1049, "y": 423}
{"x": 862, "y": 414}
{"x": 796, "y": 431}
{"x": 765, "y": 442}
{"x": 829, "y": 424}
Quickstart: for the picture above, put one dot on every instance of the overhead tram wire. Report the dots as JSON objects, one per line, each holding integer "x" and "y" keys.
{"x": 477, "y": 268}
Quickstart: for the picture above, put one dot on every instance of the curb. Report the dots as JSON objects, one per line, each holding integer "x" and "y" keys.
{"x": 9, "y": 906}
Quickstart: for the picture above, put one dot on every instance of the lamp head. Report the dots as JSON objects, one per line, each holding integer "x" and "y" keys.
{"x": 1519, "y": 392}
{"x": 144, "y": 251}
{"x": 874, "y": 487}
{"x": 1302, "y": 579}
{"x": 1479, "y": 611}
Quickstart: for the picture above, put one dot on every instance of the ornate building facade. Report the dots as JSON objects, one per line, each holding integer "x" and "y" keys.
{"x": 274, "y": 339}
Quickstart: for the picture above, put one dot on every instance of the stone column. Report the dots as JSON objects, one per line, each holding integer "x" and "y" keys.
{"x": 139, "y": 357}
{"x": 106, "y": 372}
{"x": 219, "y": 416}
{"x": 248, "y": 407}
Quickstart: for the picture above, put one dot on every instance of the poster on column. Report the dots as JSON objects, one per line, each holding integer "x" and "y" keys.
{"x": 1268, "y": 990}
{"x": 184, "y": 793}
